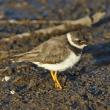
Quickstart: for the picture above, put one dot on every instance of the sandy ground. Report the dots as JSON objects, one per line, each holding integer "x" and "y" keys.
{"x": 86, "y": 86}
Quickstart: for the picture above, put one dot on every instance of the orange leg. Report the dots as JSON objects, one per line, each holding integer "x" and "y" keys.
{"x": 55, "y": 79}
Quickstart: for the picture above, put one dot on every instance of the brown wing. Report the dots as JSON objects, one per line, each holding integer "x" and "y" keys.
{"x": 52, "y": 51}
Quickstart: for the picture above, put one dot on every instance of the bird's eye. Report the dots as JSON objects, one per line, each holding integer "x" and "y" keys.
{"x": 79, "y": 40}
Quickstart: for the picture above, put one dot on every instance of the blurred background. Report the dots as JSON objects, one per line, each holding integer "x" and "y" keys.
{"x": 51, "y": 9}
{"x": 86, "y": 86}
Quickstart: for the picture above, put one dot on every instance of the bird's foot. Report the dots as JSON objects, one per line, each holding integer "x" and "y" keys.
{"x": 55, "y": 79}
{"x": 58, "y": 86}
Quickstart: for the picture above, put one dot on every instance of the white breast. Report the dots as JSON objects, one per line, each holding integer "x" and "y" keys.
{"x": 70, "y": 61}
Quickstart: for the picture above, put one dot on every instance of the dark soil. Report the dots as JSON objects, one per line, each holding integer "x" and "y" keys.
{"x": 85, "y": 87}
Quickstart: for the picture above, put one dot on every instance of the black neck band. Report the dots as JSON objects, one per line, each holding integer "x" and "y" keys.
{"x": 76, "y": 50}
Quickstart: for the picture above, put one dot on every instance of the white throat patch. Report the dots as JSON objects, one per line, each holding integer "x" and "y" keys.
{"x": 72, "y": 43}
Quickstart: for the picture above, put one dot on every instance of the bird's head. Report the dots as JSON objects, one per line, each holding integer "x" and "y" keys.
{"x": 77, "y": 40}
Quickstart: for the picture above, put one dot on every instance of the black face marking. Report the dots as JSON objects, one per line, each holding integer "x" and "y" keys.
{"x": 78, "y": 38}
{"x": 80, "y": 42}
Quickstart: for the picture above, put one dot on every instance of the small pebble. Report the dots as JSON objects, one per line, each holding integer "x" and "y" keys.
{"x": 12, "y": 92}
{"x": 12, "y": 21}
{"x": 6, "y": 78}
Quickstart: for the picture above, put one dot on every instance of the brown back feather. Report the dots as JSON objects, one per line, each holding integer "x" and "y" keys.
{"x": 52, "y": 51}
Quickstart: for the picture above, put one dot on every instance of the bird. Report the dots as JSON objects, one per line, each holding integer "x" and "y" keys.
{"x": 57, "y": 54}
